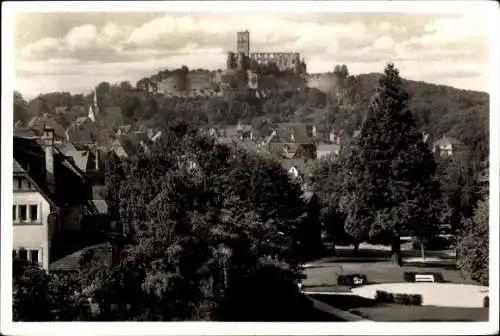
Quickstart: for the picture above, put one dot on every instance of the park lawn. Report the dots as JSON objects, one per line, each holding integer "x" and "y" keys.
{"x": 325, "y": 274}
{"x": 380, "y": 312}
{"x": 402, "y": 313}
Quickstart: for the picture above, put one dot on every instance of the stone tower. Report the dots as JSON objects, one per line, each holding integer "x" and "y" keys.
{"x": 230, "y": 60}
{"x": 243, "y": 39}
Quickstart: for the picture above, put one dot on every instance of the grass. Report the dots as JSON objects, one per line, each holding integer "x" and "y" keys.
{"x": 325, "y": 274}
{"x": 374, "y": 311}
{"x": 401, "y": 313}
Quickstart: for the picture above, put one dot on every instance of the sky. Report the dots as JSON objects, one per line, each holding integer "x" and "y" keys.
{"x": 75, "y": 51}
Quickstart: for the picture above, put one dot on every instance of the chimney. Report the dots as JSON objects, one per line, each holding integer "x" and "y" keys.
{"x": 97, "y": 159}
{"x": 48, "y": 146}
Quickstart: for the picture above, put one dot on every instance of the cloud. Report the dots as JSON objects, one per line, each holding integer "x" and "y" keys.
{"x": 114, "y": 48}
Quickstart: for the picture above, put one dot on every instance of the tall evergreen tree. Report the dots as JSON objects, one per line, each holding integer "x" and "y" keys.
{"x": 390, "y": 183}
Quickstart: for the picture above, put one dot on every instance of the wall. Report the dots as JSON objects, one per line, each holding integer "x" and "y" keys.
{"x": 283, "y": 60}
{"x": 195, "y": 81}
{"x": 33, "y": 236}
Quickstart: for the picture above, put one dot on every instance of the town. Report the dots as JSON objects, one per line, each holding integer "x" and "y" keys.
{"x": 258, "y": 192}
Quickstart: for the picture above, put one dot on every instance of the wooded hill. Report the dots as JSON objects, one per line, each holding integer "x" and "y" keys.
{"x": 438, "y": 109}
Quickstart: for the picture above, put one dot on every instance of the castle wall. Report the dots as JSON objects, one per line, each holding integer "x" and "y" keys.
{"x": 284, "y": 60}
{"x": 194, "y": 81}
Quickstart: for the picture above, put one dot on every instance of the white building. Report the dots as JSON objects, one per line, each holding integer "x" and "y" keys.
{"x": 448, "y": 146}
{"x": 30, "y": 214}
{"x": 51, "y": 197}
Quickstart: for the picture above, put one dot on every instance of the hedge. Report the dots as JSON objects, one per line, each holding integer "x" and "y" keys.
{"x": 410, "y": 276}
{"x": 404, "y": 299}
{"x": 486, "y": 302}
{"x": 348, "y": 280}
{"x": 433, "y": 243}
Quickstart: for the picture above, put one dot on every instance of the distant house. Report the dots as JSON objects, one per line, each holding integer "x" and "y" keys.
{"x": 51, "y": 200}
{"x": 130, "y": 146}
{"x": 123, "y": 130}
{"x": 448, "y": 146}
{"x": 299, "y": 169}
{"x": 290, "y": 140}
{"x": 324, "y": 150}
{"x": 244, "y": 132}
{"x": 39, "y": 123}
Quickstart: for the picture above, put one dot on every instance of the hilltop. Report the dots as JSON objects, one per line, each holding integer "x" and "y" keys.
{"x": 339, "y": 102}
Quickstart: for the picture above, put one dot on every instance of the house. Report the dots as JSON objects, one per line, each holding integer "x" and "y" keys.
{"x": 39, "y": 123}
{"x": 131, "y": 145}
{"x": 123, "y": 130}
{"x": 325, "y": 150}
{"x": 298, "y": 169}
{"x": 448, "y": 146}
{"x": 289, "y": 141}
{"x": 51, "y": 201}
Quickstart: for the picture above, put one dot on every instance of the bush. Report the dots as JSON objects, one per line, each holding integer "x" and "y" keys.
{"x": 433, "y": 243}
{"x": 486, "y": 302}
{"x": 403, "y": 299}
{"x": 384, "y": 297}
{"x": 410, "y": 276}
{"x": 352, "y": 280}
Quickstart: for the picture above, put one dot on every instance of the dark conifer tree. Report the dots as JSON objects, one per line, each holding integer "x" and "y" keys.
{"x": 390, "y": 174}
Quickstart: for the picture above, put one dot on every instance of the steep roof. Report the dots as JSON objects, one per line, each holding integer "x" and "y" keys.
{"x": 71, "y": 187}
{"x": 38, "y": 123}
{"x": 102, "y": 252}
{"x": 25, "y": 133}
{"x": 446, "y": 140}
{"x": 80, "y": 158}
{"x": 65, "y": 147}
{"x": 16, "y": 167}
{"x": 328, "y": 148}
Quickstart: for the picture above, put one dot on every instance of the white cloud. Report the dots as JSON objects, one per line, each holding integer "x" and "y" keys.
{"x": 384, "y": 42}
{"x": 116, "y": 50}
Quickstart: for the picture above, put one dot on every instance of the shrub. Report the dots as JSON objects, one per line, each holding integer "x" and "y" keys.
{"x": 404, "y": 299}
{"x": 410, "y": 276}
{"x": 350, "y": 280}
{"x": 433, "y": 243}
{"x": 384, "y": 297}
{"x": 416, "y": 300}
{"x": 486, "y": 302}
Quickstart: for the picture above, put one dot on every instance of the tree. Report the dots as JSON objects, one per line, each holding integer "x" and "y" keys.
{"x": 126, "y": 86}
{"x": 390, "y": 183}
{"x": 38, "y": 296}
{"x": 328, "y": 182}
{"x": 21, "y": 111}
{"x": 473, "y": 245}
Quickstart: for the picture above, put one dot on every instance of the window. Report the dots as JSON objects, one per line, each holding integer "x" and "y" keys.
{"x": 17, "y": 183}
{"x": 14, "y": 213}
{"x": 23, "y": 254}
{"x": 33, "y": 213}
{"x": 26, "y": 185}
{"x": 23, "y": 212}
{"x": 34, "y": 255}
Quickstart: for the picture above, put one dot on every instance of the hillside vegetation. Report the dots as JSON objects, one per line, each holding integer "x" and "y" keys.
{"x": 438, "y": 109}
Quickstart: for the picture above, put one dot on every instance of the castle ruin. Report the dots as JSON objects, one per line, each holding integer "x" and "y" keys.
{"x": 246, "y": 60}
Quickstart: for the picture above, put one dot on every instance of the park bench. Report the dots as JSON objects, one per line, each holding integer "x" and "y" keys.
{"x": 424, "y": 278}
